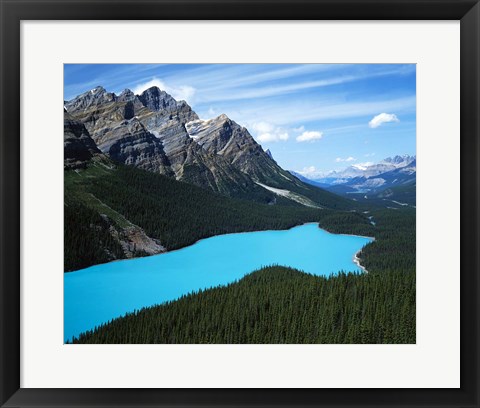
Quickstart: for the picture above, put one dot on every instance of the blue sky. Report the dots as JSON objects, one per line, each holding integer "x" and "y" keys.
{"x": 313, "y": 117}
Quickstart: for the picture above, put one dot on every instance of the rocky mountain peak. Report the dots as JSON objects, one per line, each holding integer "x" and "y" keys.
{"x": 126, "y": 96}
{"x": 98, "y": 90}
{"x": 155, "y": 132}
{"x": 224, "y": 137}
{"x": 222, "y": 118}
{"x": 154, "y": 91}
{"x": 156, "y": 100}
{"x": 95, "y": 96}
{"x": 398, "y": 160}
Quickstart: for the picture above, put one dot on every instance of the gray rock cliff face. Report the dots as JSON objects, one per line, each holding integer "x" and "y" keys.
{"x": 159, "y": 101}
{"x": 155, "y": 132}
{"x": 132, "y": 104}
{"x": 224, "y": 137}
{"x": 78, "y": 146}
{"x": 166, "y": 119}
{"x": 113, "y": 123}
{"x": 130, "y": 143}
{"x": 148, "y": 131}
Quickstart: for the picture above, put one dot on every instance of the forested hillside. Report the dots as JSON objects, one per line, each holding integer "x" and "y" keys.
{"x": 278, "y": 305}
{"x": 107, "y": 206}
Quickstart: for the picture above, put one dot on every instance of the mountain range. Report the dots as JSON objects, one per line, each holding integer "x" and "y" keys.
{"x": 144, "y": 174}
{"x": 154, "y": 132}
{"x": 390, "y": 179}
{"x": 366, "y": 170}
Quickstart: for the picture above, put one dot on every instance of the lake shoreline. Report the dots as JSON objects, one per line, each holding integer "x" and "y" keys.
{"x": 228, "y": 233}
{"x": 95, "y": 295}
{"x": 194, "y": 243}
{"x": 356, "y": 261}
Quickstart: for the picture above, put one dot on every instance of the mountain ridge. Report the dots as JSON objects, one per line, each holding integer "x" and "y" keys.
{"x": 363, "y": 170}
{"x": 391, "y": 178}
{"x": 156, "y": 133}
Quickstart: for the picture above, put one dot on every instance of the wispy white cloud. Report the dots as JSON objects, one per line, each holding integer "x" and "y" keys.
{"x": 272, "y": 137}
{"x": 309, "y": 136}
{"x": 346, "y": 159}
{"x": 255, "y": 93}
{"x": 382, "y": 118}
{"x": 308, "y": 111}
{"x": 234, "y": 90}
{"x": 369, "y": 155}
{"x": 182, "y": 92}
{"x": 217, "y": 78}
{"x": 266, "y": 132}
{"x": 262, "y": 127}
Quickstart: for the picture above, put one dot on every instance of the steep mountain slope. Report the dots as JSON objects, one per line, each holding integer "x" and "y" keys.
{"x": 308, "y": 181}
{"x": 224, "y": 137}
{"x": 155, "y": 132}
{"x": 94, "y": 232}
{"x": 403, "y": 195}
{"x": 78, "y": 146}
{"x": 116, "y": 211}
{"x": 148, "y": 131}
{"x": 116, "y": 131}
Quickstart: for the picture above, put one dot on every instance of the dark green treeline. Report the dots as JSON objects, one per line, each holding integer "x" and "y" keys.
{"x": 278, "y": 305}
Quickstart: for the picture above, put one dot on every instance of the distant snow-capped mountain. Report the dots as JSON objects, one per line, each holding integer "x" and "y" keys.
{"x": 364, "y": 170}
{"x": 367, "y": 178}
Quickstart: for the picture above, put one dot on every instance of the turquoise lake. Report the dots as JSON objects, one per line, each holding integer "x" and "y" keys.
{"x": 97, "y": 294}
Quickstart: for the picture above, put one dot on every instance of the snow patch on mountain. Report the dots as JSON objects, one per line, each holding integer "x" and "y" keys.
{"x": 196, "y": 128}
{"x": 290, "y": 195}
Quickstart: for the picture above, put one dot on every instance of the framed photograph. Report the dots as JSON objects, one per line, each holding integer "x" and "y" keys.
{"x": 256, "y": 204}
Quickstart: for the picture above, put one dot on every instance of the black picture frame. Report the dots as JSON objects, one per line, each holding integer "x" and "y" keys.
{"x": 13, "y": 11}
